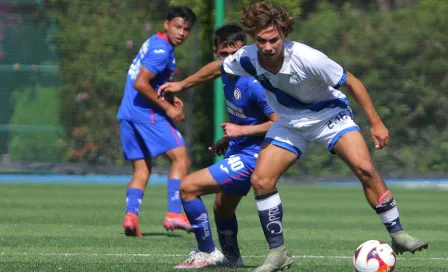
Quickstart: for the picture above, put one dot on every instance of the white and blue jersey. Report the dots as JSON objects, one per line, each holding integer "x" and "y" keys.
{"x": 246, "y": 106}
{"x": 304, "y": 93}
{"x": 145, "y": 129}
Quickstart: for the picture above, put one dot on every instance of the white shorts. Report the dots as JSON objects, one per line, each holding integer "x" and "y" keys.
{"x": 326, "y": 127}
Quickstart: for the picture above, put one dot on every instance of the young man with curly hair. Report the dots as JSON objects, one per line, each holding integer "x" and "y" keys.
{"x": 302, "y": 85}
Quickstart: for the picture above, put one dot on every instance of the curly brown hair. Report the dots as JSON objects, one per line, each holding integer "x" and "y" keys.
{"x": 264, "y": 14}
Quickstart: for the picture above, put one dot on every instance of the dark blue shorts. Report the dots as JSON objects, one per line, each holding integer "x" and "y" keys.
{"x": 233, "y": 173}
{"x": 144, "y": 140}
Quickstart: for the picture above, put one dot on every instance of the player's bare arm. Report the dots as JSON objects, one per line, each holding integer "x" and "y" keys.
{"x": 232, "y": 130}
{"x": 378, "y": 130}
{"x": 143, "y": 86}
{"x": 208, "y": 72}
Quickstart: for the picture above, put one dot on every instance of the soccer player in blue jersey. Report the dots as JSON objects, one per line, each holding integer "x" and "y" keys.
{"x": 147, "y": 124}
{"x": 250, "y": 118}
{"x": 302, "y": 85}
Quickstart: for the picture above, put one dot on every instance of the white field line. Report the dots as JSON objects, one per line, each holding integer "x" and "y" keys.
{"x": 149, "y": 255}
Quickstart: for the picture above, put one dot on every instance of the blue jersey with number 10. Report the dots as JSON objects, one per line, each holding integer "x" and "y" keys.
{"x": 246, "y": 106}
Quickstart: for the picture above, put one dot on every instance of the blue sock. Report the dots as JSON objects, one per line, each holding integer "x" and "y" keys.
{"x": 227, "y": 233}
{"x": 198, "y": 217}
{"x": 134, "y": 199}
{"x": 174, "y": 203}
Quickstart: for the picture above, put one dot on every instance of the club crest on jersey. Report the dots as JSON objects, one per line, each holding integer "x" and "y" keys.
{"x": 237, "y": 93}
{"x": 294, "y": 78}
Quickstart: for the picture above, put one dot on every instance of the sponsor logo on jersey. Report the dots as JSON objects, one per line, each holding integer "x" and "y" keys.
{"x": 234, "y": 110}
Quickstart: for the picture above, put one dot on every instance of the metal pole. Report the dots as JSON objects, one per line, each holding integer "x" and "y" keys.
{"x": 17, "y": 67}
{"x": 219, "y": 116}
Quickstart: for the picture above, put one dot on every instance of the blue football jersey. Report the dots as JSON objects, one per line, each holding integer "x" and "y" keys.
{"x": 246, "y": 106}
{"x": 156, "y": 55}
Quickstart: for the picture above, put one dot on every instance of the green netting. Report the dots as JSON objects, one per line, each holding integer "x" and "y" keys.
{"x": 29, "y": 100}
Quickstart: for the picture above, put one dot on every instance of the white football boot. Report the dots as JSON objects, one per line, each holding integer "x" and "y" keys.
{"x": 200, "y": 259}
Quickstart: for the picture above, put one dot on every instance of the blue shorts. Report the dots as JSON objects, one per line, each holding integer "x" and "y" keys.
{"x": 144, "y": 140}
{"x": 233, "y": 173}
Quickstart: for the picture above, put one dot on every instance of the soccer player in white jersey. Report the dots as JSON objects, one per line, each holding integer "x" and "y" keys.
{"x": 249, "y": 119}
{"x": 301, "y": 85}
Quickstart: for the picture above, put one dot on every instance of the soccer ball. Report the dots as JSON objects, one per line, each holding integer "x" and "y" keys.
{"x": 374, "y": 256}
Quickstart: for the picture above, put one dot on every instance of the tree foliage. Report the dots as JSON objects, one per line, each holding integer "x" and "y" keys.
{"x": 401, "y": 57}
{"x": 97, "y": 41}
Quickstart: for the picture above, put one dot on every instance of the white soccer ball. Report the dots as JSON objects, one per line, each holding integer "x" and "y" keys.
{"x": 374, "y": 256}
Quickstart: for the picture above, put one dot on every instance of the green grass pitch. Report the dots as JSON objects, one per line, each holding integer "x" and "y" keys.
{"x": 77, "y": 227}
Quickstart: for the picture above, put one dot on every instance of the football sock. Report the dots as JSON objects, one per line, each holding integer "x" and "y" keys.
{"x": 198, "y": 217}
{"x": 388, "y": 213}
{"x": 134, "y": 199}
{"x": 227, "y": 233}
{"x": 270, "y": 211}
{"x": 174, "y": 203}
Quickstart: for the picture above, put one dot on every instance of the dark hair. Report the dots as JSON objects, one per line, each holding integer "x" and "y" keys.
{"x": 228, "y": 35}
{"x": 264, "y": 14}
{"x": 181, "y": 11}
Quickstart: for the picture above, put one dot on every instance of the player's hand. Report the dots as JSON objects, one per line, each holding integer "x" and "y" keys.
{"x": 177, "y": 102}
{"x": 169, "y": 87}
{"x": 232, "y": 130}
{"x": 220, "y": 147}
{"x": 380, "y": 135}
{"x": 175, "y": 114}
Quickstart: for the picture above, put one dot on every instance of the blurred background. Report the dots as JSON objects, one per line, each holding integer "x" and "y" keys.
{"x": 63, "y": 66}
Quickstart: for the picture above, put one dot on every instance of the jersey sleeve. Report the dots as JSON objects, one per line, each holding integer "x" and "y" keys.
{"x": 232, "y": 64}
{"x": 257, "y": 93}
{"x": 329, "y": 71}
{"x": 155, "y": 60}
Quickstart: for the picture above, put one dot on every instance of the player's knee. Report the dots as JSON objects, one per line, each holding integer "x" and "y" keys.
{"x": 262, "y": 185}
{"x": 183, "y": 190}
{"x": 182, "y": 163}
{"x": 186, "y": 190}
{"x": 141, "y": 176}
{"x": 185, "y": 163}
{"x": 366, "y": 171}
